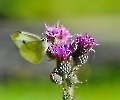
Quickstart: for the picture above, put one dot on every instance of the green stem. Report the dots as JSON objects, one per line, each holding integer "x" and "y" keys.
{"x": 67, "y": 89}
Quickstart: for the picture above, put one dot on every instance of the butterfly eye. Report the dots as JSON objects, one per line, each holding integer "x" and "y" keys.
{"x": 43, "y": 39}
{"x": 23, "y": 41}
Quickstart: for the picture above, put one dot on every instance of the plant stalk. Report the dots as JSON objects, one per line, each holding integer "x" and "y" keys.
{"x": 68, "y": 89}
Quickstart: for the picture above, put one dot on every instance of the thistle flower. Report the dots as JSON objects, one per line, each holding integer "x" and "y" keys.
{"x": 61, "y": 48}
{"x": 61, "y": 51}
{"x": 84, "y": 44}
{"x": 57, "y": 33}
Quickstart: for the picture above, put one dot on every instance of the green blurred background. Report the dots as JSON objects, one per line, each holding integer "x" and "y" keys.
{"x": 21, "y": 80}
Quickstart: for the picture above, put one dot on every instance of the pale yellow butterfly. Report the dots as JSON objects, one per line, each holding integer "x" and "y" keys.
{"x": 31, "y": 47}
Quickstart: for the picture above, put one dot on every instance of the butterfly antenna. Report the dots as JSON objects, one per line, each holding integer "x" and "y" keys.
{"x": 43, "y": 34}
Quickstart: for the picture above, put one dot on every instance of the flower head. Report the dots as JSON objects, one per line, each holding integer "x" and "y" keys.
{"x": 84, "y": 44}
{"x": 56, "y": 33}
{"x": 61, "y": 51}
{"x": 61, "y": 45}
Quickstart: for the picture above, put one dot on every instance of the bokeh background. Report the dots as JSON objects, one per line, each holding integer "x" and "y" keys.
{"x": 21, "y": 80}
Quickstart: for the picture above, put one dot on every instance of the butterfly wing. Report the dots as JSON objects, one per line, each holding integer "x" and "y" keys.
{"x": 31, "y": 47}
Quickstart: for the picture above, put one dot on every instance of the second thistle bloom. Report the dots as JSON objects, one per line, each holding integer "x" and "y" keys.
{"x": 84, "y": 44}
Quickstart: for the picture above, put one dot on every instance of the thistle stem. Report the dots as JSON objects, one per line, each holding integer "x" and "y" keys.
{"x": 67, "y": 89}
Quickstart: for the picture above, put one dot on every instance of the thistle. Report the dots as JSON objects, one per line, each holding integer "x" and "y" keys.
{"x": 69, "y": 53}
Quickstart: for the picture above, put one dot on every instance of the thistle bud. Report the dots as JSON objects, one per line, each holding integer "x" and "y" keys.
{"x": 55, "y": 78}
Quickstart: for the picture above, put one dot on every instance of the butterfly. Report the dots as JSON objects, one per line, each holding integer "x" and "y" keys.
{"x": 31, "y": 47}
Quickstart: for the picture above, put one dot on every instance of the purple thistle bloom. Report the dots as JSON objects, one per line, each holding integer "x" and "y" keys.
{"x": 61, "y": 48}
{"x": 61, "y": 45}
{"x": 84, "y": 44}
{"x": 56, "y": 33}
{"x": 61, "y": 51}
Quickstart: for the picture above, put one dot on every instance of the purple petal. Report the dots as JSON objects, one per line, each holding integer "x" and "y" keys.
{"x": 56, "y": 33}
